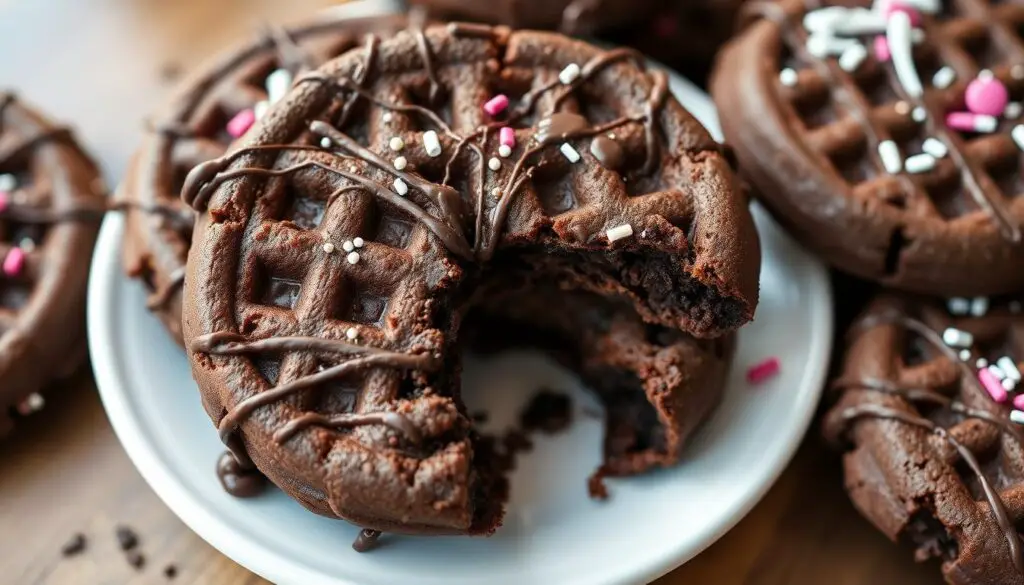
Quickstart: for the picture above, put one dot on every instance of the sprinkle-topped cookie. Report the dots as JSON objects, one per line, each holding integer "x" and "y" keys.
{"x": 931, "y": 202}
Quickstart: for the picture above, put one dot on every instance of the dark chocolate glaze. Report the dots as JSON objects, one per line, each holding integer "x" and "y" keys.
{"x": 853, "y": 413}
{"x": 608, "y": 152}
{"x": 239, "y": 480}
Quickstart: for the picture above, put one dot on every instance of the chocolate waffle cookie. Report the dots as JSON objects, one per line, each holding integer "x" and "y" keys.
{"x": 51, "y": 198}
{"x": 209, "y": 110}
{"x": 887, "y": 138}
{"x": 339, "y": 244}
{"x": 931, "y": 415}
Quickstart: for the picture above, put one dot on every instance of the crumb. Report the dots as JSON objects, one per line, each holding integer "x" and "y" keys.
{"x": 170, "y": 572}
{"x": 126, "y": 538}
{"x": 170, "y": 71}
{"x": 74, "y": 546}
{"x": 135, "y": 559}
{"x": 595, "y": 485}
{"x": 548, "y": 412}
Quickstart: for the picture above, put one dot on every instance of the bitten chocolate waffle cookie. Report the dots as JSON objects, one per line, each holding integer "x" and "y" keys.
{"x": 340, "y": 242}
{"x": 887, "y": 137}
{"x": 51, "y": 201}
{"x": 932, "y": 415}
{"x": 211, "y": 109}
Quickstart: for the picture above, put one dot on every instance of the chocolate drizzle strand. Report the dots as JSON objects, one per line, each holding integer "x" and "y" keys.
{"x": 840, "y": 421}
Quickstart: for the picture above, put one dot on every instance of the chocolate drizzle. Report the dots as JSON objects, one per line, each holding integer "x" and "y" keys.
{"x": 851, "y": 414}
{"x": 366, "y": 541}
{"x": 444, "y": 213}
{"x": 845, "y": 91}
{"x": 239, "y": 480}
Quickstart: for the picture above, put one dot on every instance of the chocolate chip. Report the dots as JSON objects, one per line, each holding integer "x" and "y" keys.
{"x": 74, "y": 546}
{"x": 170, "y": 572}
{"x": 126, "y": 538}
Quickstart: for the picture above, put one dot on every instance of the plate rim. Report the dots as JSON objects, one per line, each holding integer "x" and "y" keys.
{"x": 265, "y": 561}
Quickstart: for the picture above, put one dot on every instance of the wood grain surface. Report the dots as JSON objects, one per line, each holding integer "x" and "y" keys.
{"x": 102, "y": 65}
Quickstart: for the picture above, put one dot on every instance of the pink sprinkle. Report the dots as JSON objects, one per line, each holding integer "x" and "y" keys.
{"x": 507, "y": 137}
{"x": 968, "y": 122}
{"x": 896, "y": 6}
{"x": 992, "y": 384}
{"x": 14, "y": 262}
{"x": 5, "y": 199}
{"x": 882, "y": 52}
{"x": 1018, "y": 402}
{"x": 762, "y": 371}
{"x": 496, "y": 104}
{"x": 987, "y": 96}
{"x": 241, "y": 123}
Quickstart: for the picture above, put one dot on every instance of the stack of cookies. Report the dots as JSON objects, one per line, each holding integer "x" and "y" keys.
{"x": 360, "y": 188}
{"x": 888, "y": 137}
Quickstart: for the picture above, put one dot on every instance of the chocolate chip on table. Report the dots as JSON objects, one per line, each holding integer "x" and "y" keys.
{"x": 135, "y": 559}
{"x": 74, "y": 546}
{"x": 126, "y": 538}
{"x": 170, "y": 571}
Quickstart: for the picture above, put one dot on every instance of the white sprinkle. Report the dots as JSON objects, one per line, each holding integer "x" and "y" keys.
{"x": 979, "y": 306}
{"x": 353, "y": 169}
{"x": 348, "y": 246}
{"x": 8, "y": 183}
{"x": 981, "y": 363}
{"x": 351, "y": 333}
{"x": 431, "y": 143}
{"x": 400, "y": 187}
{"x": 937, "y": 148}
{"x": 329, "y": 248}
{"x": 898, "y": 33}
{"x": 396, "y": 143}
{"x": 958, "y": 306}
{"x": 822, "y": 45}
{"x": 353, "y": 257}
{"x": 1018, "y": 135}
{"x": 859, "y": 22}
{"x": 33, "y": 403}
{"x": 926, "y": 6}
{"x": 260, "y": 109}
{"x": 1013, "y": 110}
{"x": 570, "y": 152}
{"x": 400, "y": 163}
{"x": 997, "y": 372}
{"x": 1009, "y": 384}
{"x": 890, "y": 155}
{"x": 358, "y": 242}
{"x": 852, "y": 57}
{"x": 919, "y": 114}
{"x": 917, "y": 36}
{"x": 496, "y": 192}
{"x": 278, "y": 83}
{"x": 1017, "y": 72}
{"x": 494, "y": 164}
{"x": 965, "y": 355}
{"x": 569, "y": 74}
{"x": 387, "y": 117}
{"x": 788, "y": 77}
{"x": 823, "y": 20}
{"x": 920, "y": 163}
{"x": 1010, "y": 367}
{"x": 985, "y": 75}
{"x": 954, "y": 337}
{"x": 1017, "y": 417}
{"x": 27, "y": 245}
{"x": 619, "y": 232}
{"x": 325, "y": 142}
{"x": 1015, "y": 307}
{"x": 944, "y": 77}
{"x": 504, "y": 151}
{"x": 902, "y": 108}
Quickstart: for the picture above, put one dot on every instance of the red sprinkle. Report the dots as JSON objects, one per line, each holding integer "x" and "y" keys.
{"x": 14, "y": 262}
{"x": 241, "y": 123}
{"x": 5, "y": 199}
{"x": 762, "y": 371}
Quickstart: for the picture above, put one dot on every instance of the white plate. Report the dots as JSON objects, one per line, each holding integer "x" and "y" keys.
{"x": 553, "y": 533}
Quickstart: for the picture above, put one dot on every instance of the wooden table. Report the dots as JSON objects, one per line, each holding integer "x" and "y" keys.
{"x": 101, "y": 64}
